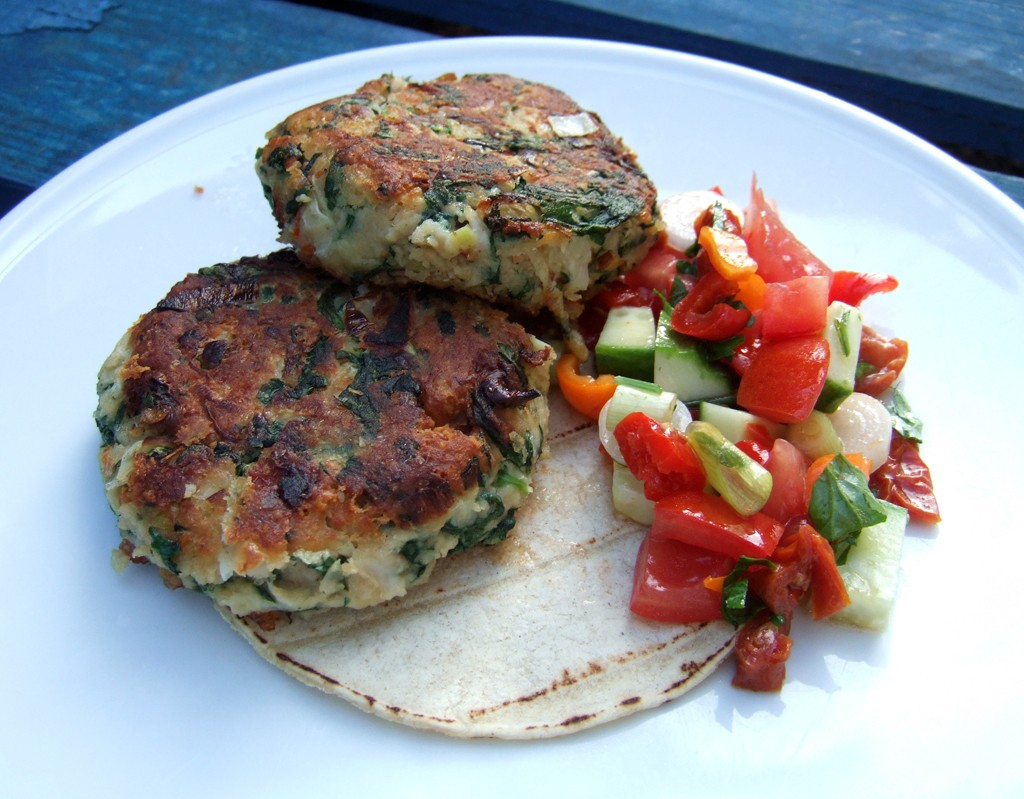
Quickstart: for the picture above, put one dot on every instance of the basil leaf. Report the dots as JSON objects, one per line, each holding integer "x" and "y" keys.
{"x": 842, "y": 328}
{"x": 738, "y": 604}
{"x": 904, "y": 421}
{"x": 720, "y": 350}
{"x": 842, "y": 505}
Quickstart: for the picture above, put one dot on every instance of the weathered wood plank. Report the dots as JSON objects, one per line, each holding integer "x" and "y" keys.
{"x": 97, "y": 70}
{"x": 951, "y": 72}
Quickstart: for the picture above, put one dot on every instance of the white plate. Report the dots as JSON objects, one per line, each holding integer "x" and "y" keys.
{"x": 113, "y": 686}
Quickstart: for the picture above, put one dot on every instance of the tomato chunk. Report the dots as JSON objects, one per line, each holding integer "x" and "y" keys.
{"x": 659, "y": 456}
{"x": 828, "y": 591}
{"x": 784, "y": 378}
{"x": 783, "y": 587}
{"x": 854, "y": 287}
{"x": 779, "y": 254}
{"x": 795, "y": 307}
{"x": 762, "y": 649}
{"x": 708, "y": 521}
{"x": 668, "y": 582}
{"x": 788, "y": 467}
{"x": 656, "y": 271}
{"x": 905, "y": 480}
{"x": 887, "y": 357}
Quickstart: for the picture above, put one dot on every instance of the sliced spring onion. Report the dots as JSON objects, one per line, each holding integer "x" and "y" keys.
{"x": 814, "y": 436}
{"x": 628, "y": 496}
{"x": 734, "y": 422}
{"x": 743, "y": 482}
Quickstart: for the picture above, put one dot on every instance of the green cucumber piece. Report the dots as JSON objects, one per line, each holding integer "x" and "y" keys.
{"x": 871, "y": 572}
{"x": 680, "y": 367}
{"x": 843, "y": 324}
{"x": 626, "y": 344}
{"x": 733, "y": 422}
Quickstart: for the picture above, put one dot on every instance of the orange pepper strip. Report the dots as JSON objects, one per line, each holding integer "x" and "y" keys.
{"x": 585, "y": 393}
{"x": 751, "y": 292}
{"x": 820, "y": 464}
{"x": 728, "y": 253}
{"x": 716, "y": 584}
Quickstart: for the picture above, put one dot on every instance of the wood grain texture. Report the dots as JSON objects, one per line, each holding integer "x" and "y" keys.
{"x": 76, "y": 73}
{"x": 71, "y": 83}
{"x": 951, "y": 72}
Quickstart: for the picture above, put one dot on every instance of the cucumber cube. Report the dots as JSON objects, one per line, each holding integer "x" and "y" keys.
{"x": 680, "y": 367}
{"x": 626, "y": 344}
{"x": 871, "y": 572}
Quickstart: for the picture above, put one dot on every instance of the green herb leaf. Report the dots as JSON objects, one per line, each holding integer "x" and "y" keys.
{"x": 720, "y": 350}
{"x": 269, "y": 390}
{"x": 842, "y": 326}
{"x": 842, "y": 505}
{"x": 904, "y": 420}
{"x": 166, "y": 548}
{"x": 738, "y": 604}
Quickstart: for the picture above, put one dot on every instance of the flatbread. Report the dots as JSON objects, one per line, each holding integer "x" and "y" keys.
{"x": 529, "y": 638}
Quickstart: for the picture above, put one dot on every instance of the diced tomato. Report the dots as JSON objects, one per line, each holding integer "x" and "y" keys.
{"x": 762, "y": 649}
{"x": 828, "y": 591}
{"x": 887, "y": 357}
{"x": 668, "y": 582}
{"x": 759, "y": 434}
{"x": 795, "y": 307}
{"x": 782, "y": 588}
{"x": 755, "y": 450}
{"x": 805, "y": 562}
{"x": 787, "y": 466}
{"x": 779, "y": 254}
{"x": 705, "y": 311}
{"x": 643, "y": 285}
{"x": 905, "y": 480}
{"x": 784, "y": 378}
{"x": 744, "y": 353}
{"x": 656, "y": 271}
{"x": 853, "y": 287}
{"x": 659, "y": 456}
{"x": 708, "y": 521}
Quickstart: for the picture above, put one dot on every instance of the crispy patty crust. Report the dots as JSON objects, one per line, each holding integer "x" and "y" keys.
{"x": 489, "y": 184}
{"x": 283, "y": 441}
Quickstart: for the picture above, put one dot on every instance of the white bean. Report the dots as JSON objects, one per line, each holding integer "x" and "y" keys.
{"x": 863, "y": 425}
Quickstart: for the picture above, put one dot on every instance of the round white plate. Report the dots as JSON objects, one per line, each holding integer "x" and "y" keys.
{"x": 110, "y": 685}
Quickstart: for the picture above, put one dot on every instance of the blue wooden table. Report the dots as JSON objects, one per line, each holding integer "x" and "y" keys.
{"x": 76, "y": 73}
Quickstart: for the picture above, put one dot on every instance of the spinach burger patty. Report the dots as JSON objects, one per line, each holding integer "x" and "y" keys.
{"x": 282, "y": 441}
{"x": 490, "y": 184}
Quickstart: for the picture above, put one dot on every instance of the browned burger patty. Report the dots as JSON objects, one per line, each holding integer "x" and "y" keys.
{"x": 489, "y": 184}
{"x": 280, "y": 440}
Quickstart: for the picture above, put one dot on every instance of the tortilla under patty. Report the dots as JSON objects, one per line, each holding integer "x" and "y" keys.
{"x": 530, "y": 638}
{"x": 489, "y": 184}
{"x": 282, "y": 441}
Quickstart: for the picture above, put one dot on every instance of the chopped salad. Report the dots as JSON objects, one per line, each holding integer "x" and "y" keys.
{"x": 756, "y": 425}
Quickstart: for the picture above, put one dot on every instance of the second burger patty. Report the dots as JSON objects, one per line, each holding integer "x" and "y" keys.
{"x": 489, "y": 184}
